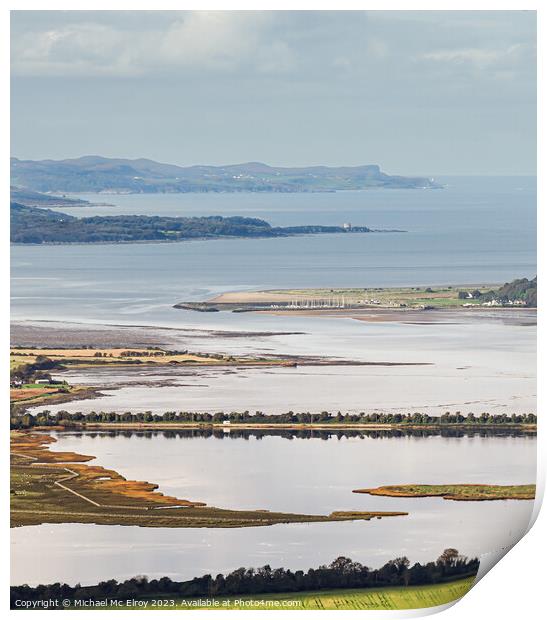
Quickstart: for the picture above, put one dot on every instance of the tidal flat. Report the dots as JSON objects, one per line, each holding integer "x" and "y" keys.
{"x": 395, "y": 389}
{"x": 475, "y": 362}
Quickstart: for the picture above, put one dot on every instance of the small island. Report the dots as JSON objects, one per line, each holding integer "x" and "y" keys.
{"x": 457, "y": 492}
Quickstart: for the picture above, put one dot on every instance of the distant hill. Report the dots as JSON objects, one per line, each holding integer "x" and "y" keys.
{"x": 39, "y": 225}
{"x": 30, "y": 198}
{"x": 101, "y": 174}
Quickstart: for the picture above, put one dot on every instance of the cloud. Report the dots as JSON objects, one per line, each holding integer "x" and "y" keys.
{"x": 374, "y": 51}
{"x": 212, "y": 39}
{"x": 218, "y": 41}
{"x": 443, "y": 90}
{"x": 70, "y": 49}
{"x": 479, "y": 57}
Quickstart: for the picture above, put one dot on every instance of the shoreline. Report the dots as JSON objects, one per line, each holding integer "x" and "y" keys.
{"x": 32, "y": 333}
{"x": 355, "y": 301}
{"x": 205, "y": 238}
{"x": 135, "y": 426}
{"x": 61, "y": 487}
{"x": 80, "y": 392}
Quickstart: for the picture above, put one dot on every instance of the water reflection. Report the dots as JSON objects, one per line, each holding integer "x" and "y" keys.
{"x": 307, "y": 471}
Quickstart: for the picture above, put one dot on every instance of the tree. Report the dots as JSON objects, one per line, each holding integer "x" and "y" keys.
{"x": 449, "y": 557}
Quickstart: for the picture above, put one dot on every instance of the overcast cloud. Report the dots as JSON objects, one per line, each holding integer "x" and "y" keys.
{"x": 417, "y": 92}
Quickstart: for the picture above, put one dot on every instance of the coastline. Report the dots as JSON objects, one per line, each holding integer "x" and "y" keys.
{"x": 369, "y": 303}
{"x": 205, "y": 238}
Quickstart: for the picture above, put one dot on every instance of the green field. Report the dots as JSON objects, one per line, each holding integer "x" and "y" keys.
{"x": 415, "y": 297}
{"x": 412, "y": 597}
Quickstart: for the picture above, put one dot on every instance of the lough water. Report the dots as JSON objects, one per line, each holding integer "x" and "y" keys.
{"x": 308, "y": 475}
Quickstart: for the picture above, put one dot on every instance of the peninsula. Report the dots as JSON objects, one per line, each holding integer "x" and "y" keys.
{"x": 30, "y": 198}
{"x": 60, "y": 487}
{"x": 519, "y": 293}
{"x": 37, "y": 226}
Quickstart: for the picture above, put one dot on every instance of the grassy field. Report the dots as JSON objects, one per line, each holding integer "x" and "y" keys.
{"x": 60, "y": 487}
{"x": 82, "y": 358}
{"x": 456, "y": 492}
{"x": 411, "y": 597}
{"x": 415, "y": 297}
{"x": 438, "y": 297}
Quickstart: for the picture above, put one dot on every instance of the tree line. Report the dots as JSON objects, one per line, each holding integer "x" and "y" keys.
{"x": 342, "y": 573}
{"x": 46, "y": 418}
{"x": 521, "y": 290}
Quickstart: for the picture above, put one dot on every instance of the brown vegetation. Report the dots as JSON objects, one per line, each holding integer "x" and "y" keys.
{"x": 19, "y": 394}
{"x": 102, "y": 486}
{"x": 59, "y": 487}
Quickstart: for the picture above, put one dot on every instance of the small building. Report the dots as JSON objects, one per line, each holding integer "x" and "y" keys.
{"x": 346, "y": 226}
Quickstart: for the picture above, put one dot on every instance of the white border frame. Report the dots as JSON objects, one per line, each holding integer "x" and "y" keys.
{"x": 514, "y": 587}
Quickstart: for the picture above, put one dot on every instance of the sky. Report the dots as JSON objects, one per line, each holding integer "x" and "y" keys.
{"x": 418, "y": 92}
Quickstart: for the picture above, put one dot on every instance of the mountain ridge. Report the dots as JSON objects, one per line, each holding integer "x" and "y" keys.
{"x": 95, "y": 173}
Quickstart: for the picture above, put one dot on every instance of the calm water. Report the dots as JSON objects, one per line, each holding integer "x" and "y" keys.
{"x": 313, "y": 475}
{"x": 304, "y": 475}
{"x": 475, "y": 230}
